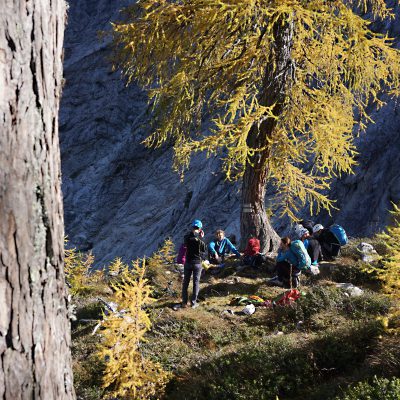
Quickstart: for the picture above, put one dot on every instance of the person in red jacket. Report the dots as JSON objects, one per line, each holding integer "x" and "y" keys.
{"x": 251, "y": 251}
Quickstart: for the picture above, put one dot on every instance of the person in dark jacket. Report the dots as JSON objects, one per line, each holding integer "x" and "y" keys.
{"x": 195, "y": 249}
{"x": 330, "y": 245}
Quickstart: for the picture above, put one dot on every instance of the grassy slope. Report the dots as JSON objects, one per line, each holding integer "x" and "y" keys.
{"x": 307, "y": 351}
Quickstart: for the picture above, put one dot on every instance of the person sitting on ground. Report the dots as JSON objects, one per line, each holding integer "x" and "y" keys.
{"x": 330, "y": 245}
{"x": 219, "y": 247}
{"x": 308, "y": 224}
{"x": 292, "y": 259}
{"x": 310, "y": 243}
{"x": 251, "y": 251}
{"x": 195, "y": 248}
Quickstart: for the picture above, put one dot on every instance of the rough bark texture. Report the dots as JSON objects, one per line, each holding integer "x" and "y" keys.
{"x": 35, "y": 360}
{"x": 253, "y": 218}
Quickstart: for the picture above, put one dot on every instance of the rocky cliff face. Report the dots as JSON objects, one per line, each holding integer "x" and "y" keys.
{"x": 121, "y": 199}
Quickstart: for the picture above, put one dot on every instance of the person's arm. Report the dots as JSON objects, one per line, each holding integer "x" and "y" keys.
{"x": 232, "y": 248}
{"x": 211, "y": 248}
{"x": 281, "y": 256}
{"x": 203, "y": 246}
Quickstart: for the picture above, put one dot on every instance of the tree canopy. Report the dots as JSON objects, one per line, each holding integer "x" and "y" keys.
{"x": 206, "y": 60}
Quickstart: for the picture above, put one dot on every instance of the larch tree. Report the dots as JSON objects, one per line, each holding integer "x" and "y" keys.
{"x": 286, "y": 85}
{"x": 35, "y": 360}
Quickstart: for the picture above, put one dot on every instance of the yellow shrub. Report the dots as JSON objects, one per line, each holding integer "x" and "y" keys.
{"x": 128, "y": 374}
{"x": 77, "y": 267}
{"x": 389, "y": 273}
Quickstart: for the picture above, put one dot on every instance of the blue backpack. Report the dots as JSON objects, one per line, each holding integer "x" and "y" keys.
{"x": 340, "y": 234}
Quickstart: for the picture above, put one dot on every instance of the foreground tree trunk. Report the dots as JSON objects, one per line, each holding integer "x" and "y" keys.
{"x": 35, "y": 361}
{"x": 253, "y": 218}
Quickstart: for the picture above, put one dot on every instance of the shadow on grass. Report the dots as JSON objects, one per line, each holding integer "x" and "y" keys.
{"x": 222, "y": 289}
{"x": 281, "y": 366}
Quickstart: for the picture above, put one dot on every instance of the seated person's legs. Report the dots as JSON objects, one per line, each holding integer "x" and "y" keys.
{"x": 215, "y": 259}
{"x": 314, "y": 250}
{"x": 330, "y": 246}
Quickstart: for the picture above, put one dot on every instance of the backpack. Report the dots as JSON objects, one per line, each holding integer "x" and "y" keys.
{"x": 300, "y": 252}
{"x": 181, "y": 259}
{"x": 339, "y": 233}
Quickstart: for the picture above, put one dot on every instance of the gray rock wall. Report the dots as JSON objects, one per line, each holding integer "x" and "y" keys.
{"x": 121, "y": 199}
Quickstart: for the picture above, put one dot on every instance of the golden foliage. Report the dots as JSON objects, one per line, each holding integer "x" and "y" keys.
{"x": 159, "y": 269}
{"x": 128, "y": 374}
{"x": 389, "y": 274}
{"x": 209, "y": 57}
{"x": 77, "y": 271}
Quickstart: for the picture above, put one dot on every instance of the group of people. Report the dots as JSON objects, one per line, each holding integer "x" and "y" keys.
{"x": 194, "y": 249}
{"x": 312, "y": 243}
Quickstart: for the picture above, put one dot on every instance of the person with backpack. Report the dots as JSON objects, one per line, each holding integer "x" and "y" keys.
{"x": 292, "y": 259}
{"x": 219, "y": 247}
{"x": 311, "y": 244}
{"x": 308, "y": 224}
{"x": 331, "y": 239}
{"x": 195, "y": 250}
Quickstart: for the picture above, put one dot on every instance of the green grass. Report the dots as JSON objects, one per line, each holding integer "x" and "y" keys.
{"x": 314, "y": 349}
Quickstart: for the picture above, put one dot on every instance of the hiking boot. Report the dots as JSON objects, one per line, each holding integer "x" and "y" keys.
{"x": 178, "y": 306}
{"x": 295, "y": 282}
{"x": 275, "y": 281}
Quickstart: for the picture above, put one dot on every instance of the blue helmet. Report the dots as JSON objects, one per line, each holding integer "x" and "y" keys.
{"x": 197, "y": 223}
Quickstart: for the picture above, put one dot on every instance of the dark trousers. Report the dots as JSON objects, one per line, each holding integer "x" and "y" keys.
{"x": 330, "y": 245}
{"x": 314, "y": 249}
{"x": 283, "y": 271}
{"x": 190, "y": 268}
{"x": 215, "y": 259}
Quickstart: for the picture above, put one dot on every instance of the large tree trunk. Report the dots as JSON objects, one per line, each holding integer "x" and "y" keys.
{"x": 35, "y": 361}
{"x": 254, "y": 219}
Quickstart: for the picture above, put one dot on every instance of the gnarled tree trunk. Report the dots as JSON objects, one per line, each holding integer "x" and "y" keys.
{"x": 35, "y": 361}
{"x": 254, "y": 219}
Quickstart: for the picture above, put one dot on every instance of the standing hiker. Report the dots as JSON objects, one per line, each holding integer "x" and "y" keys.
{"x": 195, "y": 249}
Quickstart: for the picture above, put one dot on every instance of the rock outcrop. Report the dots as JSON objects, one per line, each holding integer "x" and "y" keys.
{"x": 121, "y": 199}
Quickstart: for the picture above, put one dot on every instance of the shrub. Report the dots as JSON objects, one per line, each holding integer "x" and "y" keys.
{"x": 330, "y": 298}
{"x": 281, "y": 366}
{"x": 377, "y": 389}
{"x": 127, "y": 373}
{"x": 357, "y": 273}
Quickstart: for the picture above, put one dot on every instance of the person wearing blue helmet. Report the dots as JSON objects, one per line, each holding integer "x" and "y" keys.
{"x": 195, "y": 249}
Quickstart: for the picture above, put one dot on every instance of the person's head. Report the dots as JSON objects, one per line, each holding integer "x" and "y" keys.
{"x": 285, "y": 242}
{"x": 317, "y": 228}
{"x": 219, "y": 234}
{"x": 301, "y": 232}
{"x": 197, "y": 225}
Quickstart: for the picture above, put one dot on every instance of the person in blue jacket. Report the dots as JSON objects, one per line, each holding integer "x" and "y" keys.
{"x": 292, "y": 259}
{"x": 311, "y": 244}
{"x": 219, "y": 247}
